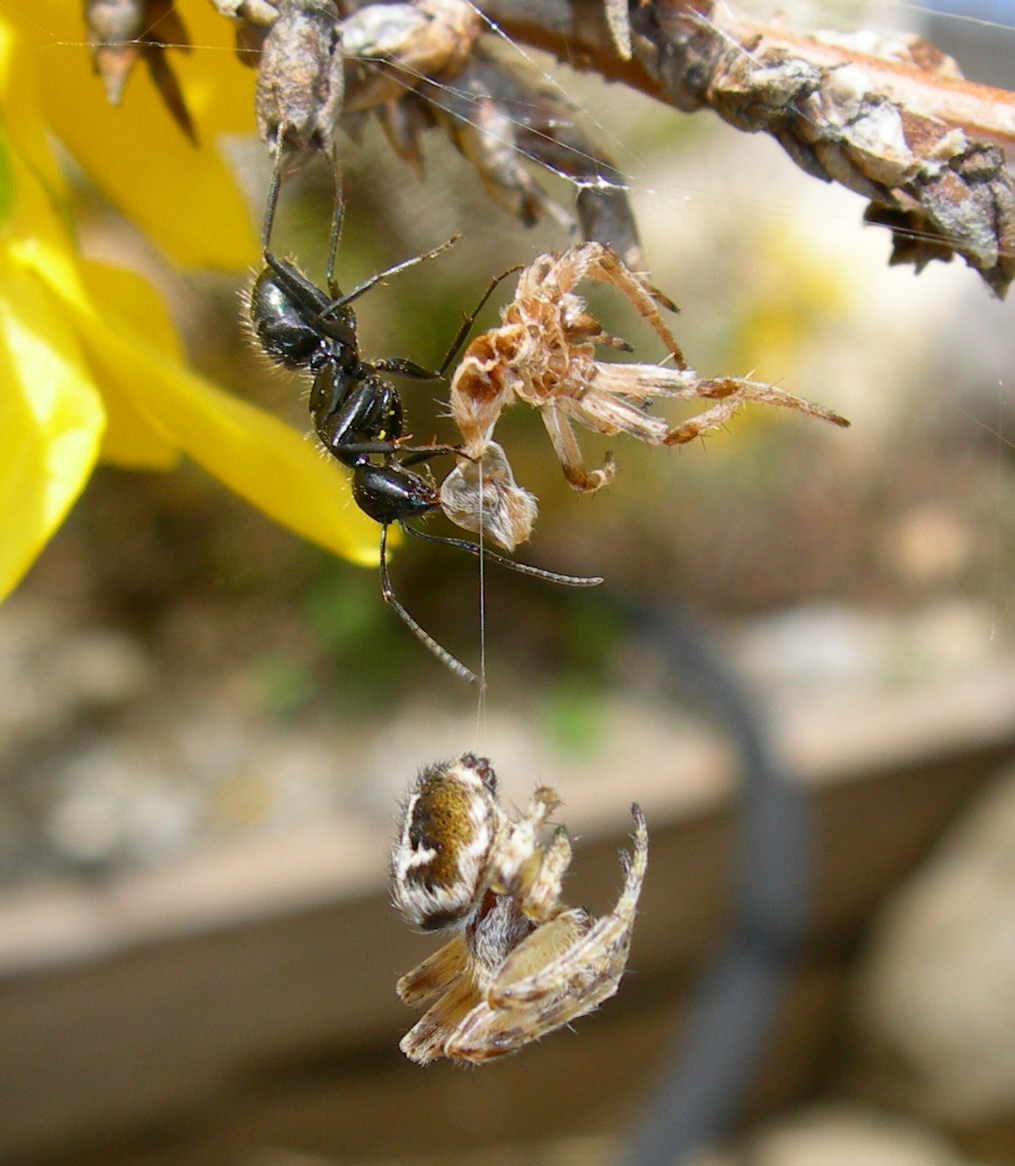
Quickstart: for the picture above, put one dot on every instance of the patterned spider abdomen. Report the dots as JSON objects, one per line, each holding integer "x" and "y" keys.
{"x": 450, "y": 824}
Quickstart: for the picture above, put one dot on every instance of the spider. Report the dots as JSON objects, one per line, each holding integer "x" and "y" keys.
{"x": 356, "y": 412}
{"x": 520, "y": 964}
{"x": 543, "y": 353}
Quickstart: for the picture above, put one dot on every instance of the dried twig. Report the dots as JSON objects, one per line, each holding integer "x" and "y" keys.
{"x": 892, "y": 120}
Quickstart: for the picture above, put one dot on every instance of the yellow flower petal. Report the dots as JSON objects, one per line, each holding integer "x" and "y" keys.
{"x": 20, "y": 107}
{"x": 185, "y": 198}
{"x": 251, "y": 451}
{"x": 51, "y": 421}
{"x": 132, "y": 438}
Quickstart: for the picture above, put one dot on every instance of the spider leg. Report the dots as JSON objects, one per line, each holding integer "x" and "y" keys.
{"x": 602, "y": 265}
{"x": 761, "y": 393}
{"x": 519, "y": 864}
{"x": 712, "y": 418}
{"x": 486, "y": 1033}
{"x": 417, "y": 630}
{"x": 574, "y": 981}
{"x": 427, "y": 1038}
{"x": 489, "y": 1030}
{"x": 730, "y": 393}
{"x": 615, "y": 402}
{"x": 566, "y": 446}
{"x": 588, "y": 970}
{"x": 540, "y": 888}
{"x": 529, "y": 969}
{"x": 435, "y": 974}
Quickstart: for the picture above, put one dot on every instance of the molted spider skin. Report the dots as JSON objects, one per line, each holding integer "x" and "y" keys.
{"x": 521, "y": 963}
{"x": 483, "y": 495}
{"x": 544, "y": 353}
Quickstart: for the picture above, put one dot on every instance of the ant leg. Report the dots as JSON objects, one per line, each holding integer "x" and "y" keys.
{"x": 409, "y": 368}
{"x": 423, "y": 453}
{"x": 511, "y": 564}
{"x": 271, "y": 202}
{"x": 362, "y": 288}
{"x": 336, "y": 231}
{"x": 470, "y": 319}
{"x": 424, "y": 637}
{"x": 417, "y": 453}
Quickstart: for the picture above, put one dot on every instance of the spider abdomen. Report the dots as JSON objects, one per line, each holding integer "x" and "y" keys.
{"x": 450, "y": 825}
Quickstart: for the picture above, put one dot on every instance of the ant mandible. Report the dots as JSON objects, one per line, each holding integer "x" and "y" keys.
{"x": 356, "y": 412}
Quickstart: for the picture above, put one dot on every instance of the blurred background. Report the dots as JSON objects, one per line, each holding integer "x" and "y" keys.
{"x": 206, "y": 725}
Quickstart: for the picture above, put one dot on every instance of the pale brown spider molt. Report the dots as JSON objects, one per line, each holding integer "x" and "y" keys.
{"x": 481, "y": 493}
{"x": 521, "y": 963}
{"x": 543, "y": 353}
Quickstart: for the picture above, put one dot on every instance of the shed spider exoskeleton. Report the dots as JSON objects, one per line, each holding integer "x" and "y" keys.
{"x": 521, "y": 963}
{"x": 544, "y": 353}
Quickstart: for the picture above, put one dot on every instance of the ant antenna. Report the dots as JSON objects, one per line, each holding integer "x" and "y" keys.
{"x": 420, "y": 632}
{"x": 417, "y": 630}
{"x": 504, "y": 561}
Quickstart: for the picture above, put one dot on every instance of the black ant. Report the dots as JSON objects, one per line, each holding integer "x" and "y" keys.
{"x": 357, "y": 413}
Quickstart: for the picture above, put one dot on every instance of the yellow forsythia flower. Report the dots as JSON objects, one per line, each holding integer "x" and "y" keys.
{"x": 90, "y": 365}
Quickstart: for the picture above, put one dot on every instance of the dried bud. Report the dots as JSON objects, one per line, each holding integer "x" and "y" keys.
{"x": 300, "y": 80}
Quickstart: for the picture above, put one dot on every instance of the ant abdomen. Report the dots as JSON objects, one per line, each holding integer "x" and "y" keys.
{"x": 281, "y": 328}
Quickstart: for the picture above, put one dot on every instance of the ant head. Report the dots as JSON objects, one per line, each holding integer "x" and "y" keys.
{"x": 391, "y": 493}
